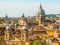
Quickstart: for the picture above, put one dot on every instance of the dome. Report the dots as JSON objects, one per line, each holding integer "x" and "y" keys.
{"x": 7, "y": 28}
{"x": 6, "y": 16}
{"x": 25, "y": 27}
{"x": 41, "y": 10}
{"x": 23, "y": 16}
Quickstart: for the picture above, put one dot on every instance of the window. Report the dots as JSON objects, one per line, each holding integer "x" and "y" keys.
{"x": 58, "y": 35}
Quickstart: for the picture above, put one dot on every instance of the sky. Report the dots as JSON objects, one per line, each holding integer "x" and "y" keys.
{"x": 15, "y": 8}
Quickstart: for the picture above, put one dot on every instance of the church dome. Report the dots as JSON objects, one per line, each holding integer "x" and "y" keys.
{"x": 41, "y": 10}
{"x": 25, "y": 27}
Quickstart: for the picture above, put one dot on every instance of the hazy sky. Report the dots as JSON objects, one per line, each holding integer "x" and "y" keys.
{"x": 15, "y": 8}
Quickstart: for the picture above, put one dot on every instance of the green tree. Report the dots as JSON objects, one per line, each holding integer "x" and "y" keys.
{"x": 23, "y": 43}
{"x": 36, "y": 42}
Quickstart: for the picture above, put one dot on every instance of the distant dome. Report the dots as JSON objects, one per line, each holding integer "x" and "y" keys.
{"x": 6, "y": 16}
{"x": 41, "y": 10}
{"x": 23, "y": 16}
{"x": 25, "y": 27}
{"x": 7, "y": 28}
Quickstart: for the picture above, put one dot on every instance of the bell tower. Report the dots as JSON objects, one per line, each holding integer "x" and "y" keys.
{"x": 7, "y": 35}
{"x": 24, "y": 35}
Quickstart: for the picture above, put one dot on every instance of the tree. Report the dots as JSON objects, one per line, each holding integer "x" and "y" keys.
{"x": 23, "y": 43}
{"x": 36, "y": 42}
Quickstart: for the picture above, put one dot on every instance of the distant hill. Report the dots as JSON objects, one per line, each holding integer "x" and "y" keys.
{"x": 51, "y": 15}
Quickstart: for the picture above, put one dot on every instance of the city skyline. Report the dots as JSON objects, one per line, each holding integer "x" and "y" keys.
{"x": 15, "y": 8}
